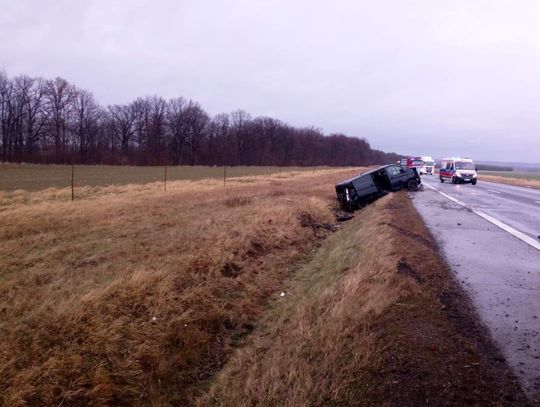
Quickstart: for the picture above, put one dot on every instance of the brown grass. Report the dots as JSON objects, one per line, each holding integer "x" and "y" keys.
{"x": 135, "y": 296}
{"x": 374, "y": 319}
{"x": 520, "y": 182}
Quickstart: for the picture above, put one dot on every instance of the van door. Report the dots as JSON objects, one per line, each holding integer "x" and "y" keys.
{"x": 397, "y": 175}
{"x": 446, "y": 169}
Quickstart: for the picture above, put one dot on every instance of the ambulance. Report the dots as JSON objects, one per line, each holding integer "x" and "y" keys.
{"x": 458, "y": 170}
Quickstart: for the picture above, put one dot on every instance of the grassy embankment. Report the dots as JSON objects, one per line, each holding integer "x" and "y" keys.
{"x": 142, "y": 297}
{"x": 375, "y": 318}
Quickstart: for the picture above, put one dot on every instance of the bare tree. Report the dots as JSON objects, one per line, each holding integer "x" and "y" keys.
{"x": 86, "y": 114}
{"x": 197, "y": 121}
{"x": 65, "y": 122}
{"x": 6, "y": 115}
{"x": 240, "y": 121}
{"x": 218, "y": 140}
{"x": 31, "y": 94}
{"x": 178, "y": 128}
{"x": 187, "y": 122}
{"x": 123, "y": 119}
{"x": 59, "y": 97}
{"x": 141, "y": 110}
{"x": 157, "y": 129}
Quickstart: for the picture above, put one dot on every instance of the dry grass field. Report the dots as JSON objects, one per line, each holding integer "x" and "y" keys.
{"x": 35, "y": 177}
{"x": 514, "y": 174}
{"x": 520, "y": 179}
{"x": 133, "y": 295}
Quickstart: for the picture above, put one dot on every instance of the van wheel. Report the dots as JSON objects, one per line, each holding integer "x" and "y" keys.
{"x": 412, "y": 185}
{"x": 473, "y": 182}
{"x": 454, "y": 181}
{"x": 442, "y": 180}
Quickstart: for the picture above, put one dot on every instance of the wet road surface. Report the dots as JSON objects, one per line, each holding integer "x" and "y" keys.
{"x": 500, "y": 270}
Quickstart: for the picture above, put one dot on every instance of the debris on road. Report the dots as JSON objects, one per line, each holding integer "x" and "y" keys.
{"x": 344, "y": 217}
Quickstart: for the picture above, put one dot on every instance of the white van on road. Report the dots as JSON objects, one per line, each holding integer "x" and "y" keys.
{"x": 458, "y": 170}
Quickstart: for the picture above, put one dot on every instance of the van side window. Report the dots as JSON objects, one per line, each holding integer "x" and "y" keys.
{"x": 393, "y": 171}
{"x": 448, "y": 165}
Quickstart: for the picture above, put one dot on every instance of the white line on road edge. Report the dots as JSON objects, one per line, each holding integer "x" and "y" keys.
{"x": 447, "y": 196}
{"x": 522, "y": 236}
{"x": 514, "y": 232}
{"x": 492, "y": 190}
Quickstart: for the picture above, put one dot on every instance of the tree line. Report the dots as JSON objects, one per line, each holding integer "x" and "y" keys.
{"x": 53, "y": 121}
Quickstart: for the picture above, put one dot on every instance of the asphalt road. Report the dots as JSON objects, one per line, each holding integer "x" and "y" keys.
{"x": 489, "y": 235}
{"x": 517, "y": 207}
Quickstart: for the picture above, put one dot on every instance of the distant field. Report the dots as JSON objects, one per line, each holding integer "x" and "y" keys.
{"x": 37, "y": 177}
{"x": 513, "y": 174}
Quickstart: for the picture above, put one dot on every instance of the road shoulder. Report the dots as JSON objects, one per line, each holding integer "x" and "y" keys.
{"x": 375, "y": 318}
{"x": 498, "y": 272}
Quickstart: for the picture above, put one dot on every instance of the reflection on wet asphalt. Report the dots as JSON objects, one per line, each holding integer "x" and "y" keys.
{"x": 500, "y": 272}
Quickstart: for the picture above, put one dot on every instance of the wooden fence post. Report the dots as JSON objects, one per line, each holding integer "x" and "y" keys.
{"x": 165, "y": 179}
{"x": 72, "y": 181}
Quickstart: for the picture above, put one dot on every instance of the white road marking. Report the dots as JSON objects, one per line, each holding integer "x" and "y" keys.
{"x": 520, "y": 235}
{"x": 447, "y": 196}
{"x": 509, "y": 229}
{"x": 492, "y": 190}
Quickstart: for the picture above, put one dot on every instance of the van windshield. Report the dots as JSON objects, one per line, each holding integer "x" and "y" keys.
{"x": 464, "y": 165}
{"x": 429, "y": 163}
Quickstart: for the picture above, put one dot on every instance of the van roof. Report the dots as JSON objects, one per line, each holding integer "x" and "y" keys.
{"x": 347, "y": 181}
{"x": 457, "y": 159}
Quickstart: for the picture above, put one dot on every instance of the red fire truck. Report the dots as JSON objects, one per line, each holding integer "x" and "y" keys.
{"x": 412, "y": 162}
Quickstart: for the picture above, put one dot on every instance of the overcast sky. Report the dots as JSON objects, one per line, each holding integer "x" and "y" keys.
{"x": 420, "y": 77}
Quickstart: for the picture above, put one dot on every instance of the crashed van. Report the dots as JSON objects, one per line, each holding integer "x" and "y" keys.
{"x": 356, "y": 192}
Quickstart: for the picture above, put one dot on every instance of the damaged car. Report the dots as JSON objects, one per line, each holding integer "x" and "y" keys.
{"x": 358, "y": 191}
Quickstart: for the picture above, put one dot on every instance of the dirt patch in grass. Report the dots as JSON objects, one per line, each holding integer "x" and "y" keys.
{"x": 136, "y": 296}
{"x": 238, "y": 201}
{"x": 374, "y": 318}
